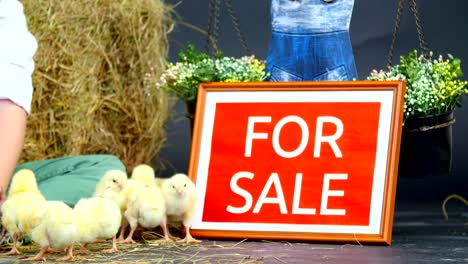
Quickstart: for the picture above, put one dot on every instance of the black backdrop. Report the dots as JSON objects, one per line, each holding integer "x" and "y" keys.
{"x": 444, "y": 25}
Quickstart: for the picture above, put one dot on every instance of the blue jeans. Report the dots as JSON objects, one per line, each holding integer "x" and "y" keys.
{"x": 311, "y": 56}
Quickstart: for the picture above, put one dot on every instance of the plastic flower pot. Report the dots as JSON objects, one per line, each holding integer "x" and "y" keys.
{"x": 426, "y": 146}
{"x": 191, "y": 107}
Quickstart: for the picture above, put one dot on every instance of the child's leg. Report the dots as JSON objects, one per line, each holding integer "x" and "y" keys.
{"x": 13, "y": 127}
{"x": 73, "y": 177}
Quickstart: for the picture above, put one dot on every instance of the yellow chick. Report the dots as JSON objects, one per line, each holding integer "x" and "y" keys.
{"x": 112, "y": 186}
{"x": 23, "y": 197}
{"x": 145, "y": 203}
{"x": 130, "y": 187}
{"x": 53, "y": 226}
{"x": 97, "y": 218}
{"x": 143, "y": 173}
{"x": 180, "y": 195}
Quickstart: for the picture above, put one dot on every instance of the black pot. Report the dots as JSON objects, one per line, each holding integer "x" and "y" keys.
{"x": 426, "y": 146}
{"x": 191, "y": 107}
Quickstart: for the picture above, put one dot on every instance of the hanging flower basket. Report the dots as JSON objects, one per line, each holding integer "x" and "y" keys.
{"x": 183, "y": 77}
{"x": 434, "y": 91}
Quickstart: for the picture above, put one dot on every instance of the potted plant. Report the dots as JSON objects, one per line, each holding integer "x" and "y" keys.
{"x": 183, "y": 77}
{"x": 434, "y": 91}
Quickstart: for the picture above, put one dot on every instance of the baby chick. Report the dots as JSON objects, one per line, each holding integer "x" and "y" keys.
{"x": 112, "y": 186}
{"x": 145, "y": 205}
{"x": 143, "y": 173}
{"x": 23, "y": 197}
{"x": 97, "y": 218}
{"x": 53, "y": 226}
{"x": 180, "y": 195}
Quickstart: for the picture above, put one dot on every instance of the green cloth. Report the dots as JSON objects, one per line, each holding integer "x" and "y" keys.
{"x": 70, "y": 178}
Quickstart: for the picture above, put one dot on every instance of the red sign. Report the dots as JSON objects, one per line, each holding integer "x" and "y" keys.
{"x": 294, "y": 164}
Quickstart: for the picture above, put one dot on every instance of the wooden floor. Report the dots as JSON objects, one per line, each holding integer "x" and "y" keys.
{"x": 420, "y": 235}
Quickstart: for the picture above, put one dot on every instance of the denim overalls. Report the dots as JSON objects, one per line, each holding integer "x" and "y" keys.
{"x": 310, "y": 40}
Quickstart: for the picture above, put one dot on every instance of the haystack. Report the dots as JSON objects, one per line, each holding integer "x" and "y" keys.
{"x": 90, "y": 94}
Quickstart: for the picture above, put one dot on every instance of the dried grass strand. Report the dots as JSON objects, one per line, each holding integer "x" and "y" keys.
{"x": 450, "y": 197}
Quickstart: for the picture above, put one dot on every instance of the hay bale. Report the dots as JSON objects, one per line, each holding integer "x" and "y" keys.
{"x": 90, "y": 94}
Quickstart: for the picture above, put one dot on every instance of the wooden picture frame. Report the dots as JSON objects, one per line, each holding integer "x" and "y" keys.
{"x": 260, "y": 175}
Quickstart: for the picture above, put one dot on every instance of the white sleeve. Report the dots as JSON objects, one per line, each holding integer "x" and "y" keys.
{"x": 17, "y": 48}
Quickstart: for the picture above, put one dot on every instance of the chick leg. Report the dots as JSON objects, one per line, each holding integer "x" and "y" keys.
{"x": 69, "y": 255}
{"x": 188, "y": 237}
{"x": 14, "y": 250}
{"x": 129, "y": 238}
{"x": 167, "y": 235}
{"x": 114, "y": 246}
{"x": 51, "y": 251}
{"x": 83, "y": 249}
{"x": 122, "y": 231}
{"x": 39, "y": 256}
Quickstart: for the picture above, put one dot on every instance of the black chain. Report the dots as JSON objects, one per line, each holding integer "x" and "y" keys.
{"x": 401, "y": 6}
{"x": 208, "y": 27}
{"x": 213, "y": 25}
{"x": 422, "y": 40}
{"x": 235, "y": 21}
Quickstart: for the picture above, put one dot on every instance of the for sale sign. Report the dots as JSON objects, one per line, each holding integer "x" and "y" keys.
{"x": 308, "y": 161}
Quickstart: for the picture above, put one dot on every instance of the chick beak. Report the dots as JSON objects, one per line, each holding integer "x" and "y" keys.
{"x": 121, "y": 185}
{"x": 179, "y": 190}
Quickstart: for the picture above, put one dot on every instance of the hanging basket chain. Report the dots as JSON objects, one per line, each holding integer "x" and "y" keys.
{"x": 421, "y": 37}
{"x": 401, "y": 6}
{"x": 236, "y": 23}
{"x": 208, "y": 27}
{"x": 213, "y": 26}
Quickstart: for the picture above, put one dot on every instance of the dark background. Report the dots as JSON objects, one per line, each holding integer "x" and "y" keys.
{"x": 444, "y": 25}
